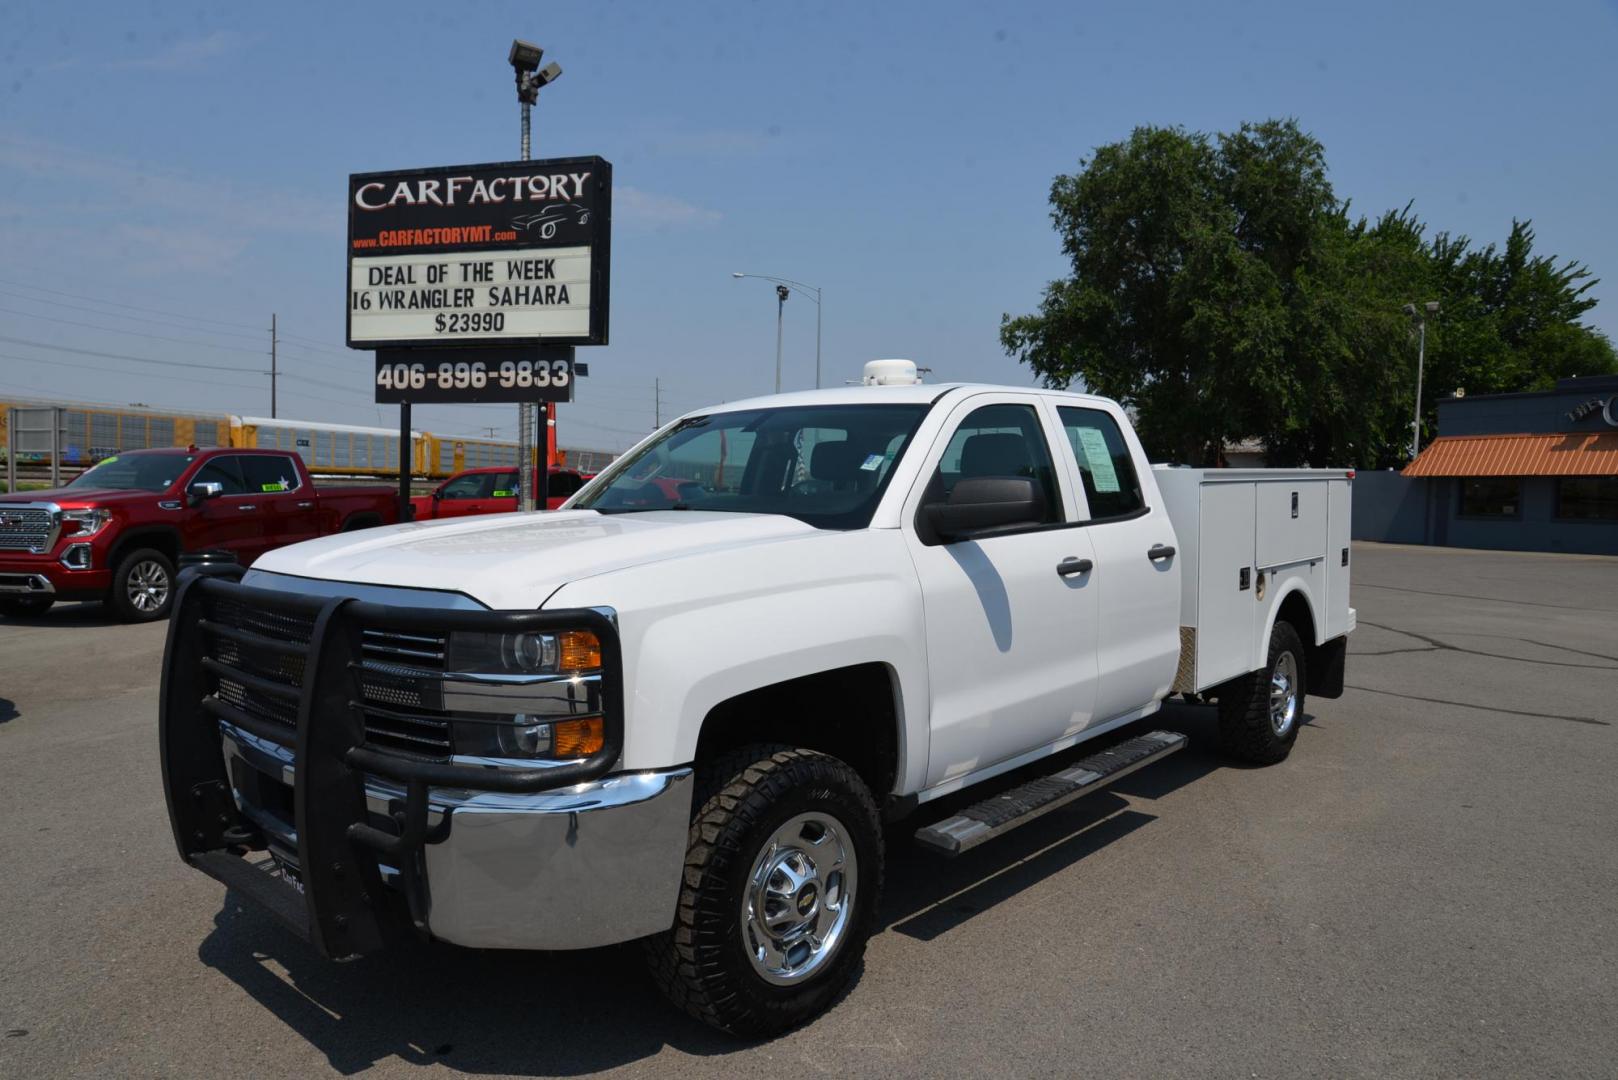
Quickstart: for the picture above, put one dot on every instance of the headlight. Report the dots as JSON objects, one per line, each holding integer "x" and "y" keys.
{"x": 84, "y": 522}
{"x": 566, "y": 652}
{"x": 527, "y": 695}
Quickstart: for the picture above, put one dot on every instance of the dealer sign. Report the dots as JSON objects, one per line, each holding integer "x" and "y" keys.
{"x": 504, "y": 254}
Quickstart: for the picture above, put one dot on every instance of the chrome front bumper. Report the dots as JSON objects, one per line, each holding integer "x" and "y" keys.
{"x": 26, "y": 585}
{"x": 589, "y": 865}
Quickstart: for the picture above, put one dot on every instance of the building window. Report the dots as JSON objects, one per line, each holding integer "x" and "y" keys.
{"x": 1491, "y": 496}
{"x": 1587, "y": 498}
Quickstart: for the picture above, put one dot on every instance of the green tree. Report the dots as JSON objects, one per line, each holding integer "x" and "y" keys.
{"x": 1221, "y": 291}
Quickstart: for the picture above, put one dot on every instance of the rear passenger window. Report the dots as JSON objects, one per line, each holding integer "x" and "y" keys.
{"x": 1110, "y": 484}
{"x": 269, "y": 474}
{"x": 1000, "y": 440}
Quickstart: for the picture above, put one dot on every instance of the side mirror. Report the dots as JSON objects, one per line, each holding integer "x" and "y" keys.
{"x": 203, "y": 490}
{"x": 985, "y": 504}
{"x": 438, "y": 493}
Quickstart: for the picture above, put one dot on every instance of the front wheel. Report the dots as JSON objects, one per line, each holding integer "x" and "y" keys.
{"x": 1259, "y": 713}
{"x": 142, "y": 586}
{"x": 782, "y": 878}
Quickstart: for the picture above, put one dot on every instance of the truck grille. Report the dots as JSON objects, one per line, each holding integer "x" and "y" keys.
{"x": 26, "y": 527}
{"x": 401, "y": 698}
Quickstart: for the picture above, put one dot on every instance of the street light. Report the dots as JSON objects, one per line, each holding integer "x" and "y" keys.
{"x": 524, "y": 59}
{"x": 1420, "y": 315}
{"x": 782, "y": 285}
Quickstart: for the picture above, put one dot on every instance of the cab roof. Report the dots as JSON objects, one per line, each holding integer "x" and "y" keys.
{"x": 918, "y": 394}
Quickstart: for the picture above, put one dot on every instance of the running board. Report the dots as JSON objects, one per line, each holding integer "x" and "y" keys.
{"x": 1003, "y": 812}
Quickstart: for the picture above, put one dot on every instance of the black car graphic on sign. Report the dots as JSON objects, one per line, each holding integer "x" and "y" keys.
{"x": 545, "y": 222}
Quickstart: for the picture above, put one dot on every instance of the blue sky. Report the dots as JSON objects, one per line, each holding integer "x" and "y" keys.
{"x": 179, "y": 172}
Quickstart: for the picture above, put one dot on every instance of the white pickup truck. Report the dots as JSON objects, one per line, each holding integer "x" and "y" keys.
{"x": 684, "y": 707}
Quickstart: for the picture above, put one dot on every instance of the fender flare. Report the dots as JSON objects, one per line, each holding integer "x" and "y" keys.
{"x": 129, "y": 539}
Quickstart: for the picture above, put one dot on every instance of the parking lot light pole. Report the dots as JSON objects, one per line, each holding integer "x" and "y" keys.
{"x": 524, "y": 59}
{"x": 1420, "y": 315}
{"x": 811, "y": 291}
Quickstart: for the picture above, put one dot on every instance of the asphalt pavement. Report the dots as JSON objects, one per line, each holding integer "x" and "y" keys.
{"x": 1425, "y": 888}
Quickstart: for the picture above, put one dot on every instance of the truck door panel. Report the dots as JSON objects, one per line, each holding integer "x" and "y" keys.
{"x": 467, "y": 494}
{"x": 1291, "y": 521}
{"x": 1137, "y": 580}
{"x": 1226, "y": 589}
{"x": 1011, "y": 643}
{"x": 219, "y": 524}
{"x": 287, "y": 512}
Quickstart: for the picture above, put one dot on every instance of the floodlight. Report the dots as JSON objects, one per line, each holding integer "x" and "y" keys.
{"x": 525, "y": 55}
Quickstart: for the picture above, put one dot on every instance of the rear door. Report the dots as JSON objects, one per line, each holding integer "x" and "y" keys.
{"x": 1137, "y": 571}
{"x": 562, "y": 486}
{"x": 1011, "y": 642}
{"x": 289, "y": 511}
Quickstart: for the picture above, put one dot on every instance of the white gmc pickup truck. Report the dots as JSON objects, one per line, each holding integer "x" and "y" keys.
{"x": 683, "y": 708}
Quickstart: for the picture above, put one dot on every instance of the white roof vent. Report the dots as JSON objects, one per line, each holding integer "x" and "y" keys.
{"x": 891, "y": 373}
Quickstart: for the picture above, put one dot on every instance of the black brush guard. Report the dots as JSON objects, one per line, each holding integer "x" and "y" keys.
{"x": 344, "y": 909}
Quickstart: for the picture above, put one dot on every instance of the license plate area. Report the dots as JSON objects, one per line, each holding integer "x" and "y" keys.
{"x": 287, "y": 870}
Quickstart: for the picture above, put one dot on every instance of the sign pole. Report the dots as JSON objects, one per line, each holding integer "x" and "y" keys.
{"x": 405, "y": 449}
{"x": 525, "y": 411}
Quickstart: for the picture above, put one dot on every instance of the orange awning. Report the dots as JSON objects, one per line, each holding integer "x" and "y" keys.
{"x": 1570, "y": 453}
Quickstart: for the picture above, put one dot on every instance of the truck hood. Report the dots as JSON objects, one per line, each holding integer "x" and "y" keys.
{"x": 81, "y": 497}
{"x": 518, "y": 560}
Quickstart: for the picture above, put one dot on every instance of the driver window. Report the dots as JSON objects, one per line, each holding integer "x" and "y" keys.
{"x": 470, "y": 486}
{"x": 224, "y": 471}
{"x": 999, "y": 440}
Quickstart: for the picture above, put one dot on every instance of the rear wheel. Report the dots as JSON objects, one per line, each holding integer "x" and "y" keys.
{"x": 1259, "y": 713}
{"x": 782, "y": 878}
{"x": 142, "y": 586}
{"x": 22, "y": 607}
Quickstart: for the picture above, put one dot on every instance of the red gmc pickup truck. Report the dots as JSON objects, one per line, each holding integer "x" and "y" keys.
{"x": 116, "y": 533}
{"x": 490, "y": 490}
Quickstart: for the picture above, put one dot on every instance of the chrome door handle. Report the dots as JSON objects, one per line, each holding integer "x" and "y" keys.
{"x": 1159, "y": 552}
{"x": 247, "y": 506}
{"x": 1072, "y": 565}
{"x": 306, "y": 505}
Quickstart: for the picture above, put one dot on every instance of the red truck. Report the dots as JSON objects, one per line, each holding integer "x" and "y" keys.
{"x": 117, "y": 531}
{"x": 489, "y": 490}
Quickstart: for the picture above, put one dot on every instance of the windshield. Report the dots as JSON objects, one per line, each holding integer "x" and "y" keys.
{"x": 825, "y": 465}
{"x": 135, "y": 472}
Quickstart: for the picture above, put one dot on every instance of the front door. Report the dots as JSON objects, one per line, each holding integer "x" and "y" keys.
{"x": 473, "y": 493}
{"x": 1137, "y": 573}
{"x": 219, "y": 524}
{"x": 1011, "y": 639}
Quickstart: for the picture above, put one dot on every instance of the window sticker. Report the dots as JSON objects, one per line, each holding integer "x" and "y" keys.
{"x": 872, "y": 461}
{"x": 503, "y": 493}
{"x": 279, "y": 485}
{"x": 1099, "y": 459}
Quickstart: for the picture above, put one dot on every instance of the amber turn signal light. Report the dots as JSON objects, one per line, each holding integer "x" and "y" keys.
{"x": 578, "y": 738}
{"x": 580, "y": 651}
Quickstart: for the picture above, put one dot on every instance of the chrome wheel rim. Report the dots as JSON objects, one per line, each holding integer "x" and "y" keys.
{"x": 799, "y": 898}
{"x": 148, "y": 586}
{"x": 1284, "y": 693}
